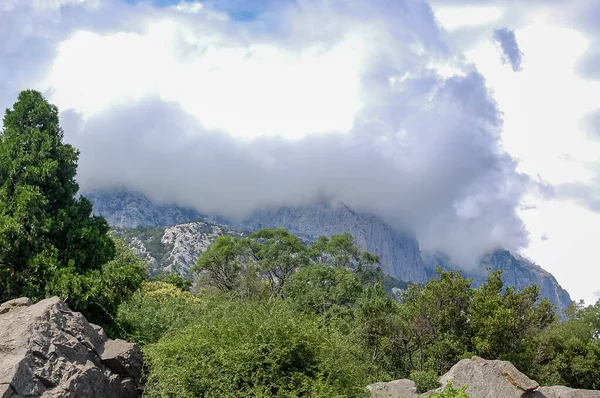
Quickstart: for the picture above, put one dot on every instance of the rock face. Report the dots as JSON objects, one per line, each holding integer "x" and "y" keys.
{"x": 47, "y": 350}
{"x": 176, "y": 248}
{"x": 484, "y": 379}
{"x": 399, "y": 251}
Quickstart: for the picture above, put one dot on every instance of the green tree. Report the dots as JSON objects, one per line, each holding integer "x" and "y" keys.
{"x": 323, "y": 289}
{"x": 279, "y": 254}
{"x": 438, "y": 316}
{"x": 340, "y": 250}
{"x": 568, "y": 353}
{"x": 505, "y": 321}
{"x": 222, "y": 263}
{"x": 46, "y": 231}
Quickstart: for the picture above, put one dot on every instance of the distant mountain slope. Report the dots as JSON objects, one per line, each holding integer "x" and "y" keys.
{"x": 399, "y": 251}
{"x": 126, "y": 209}
{"x": 175, "y": 248}
{"x": 518, "y": 272}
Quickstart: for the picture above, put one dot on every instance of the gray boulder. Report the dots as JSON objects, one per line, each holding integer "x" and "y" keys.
{"x": 47, "y": 350}
{"x": 564, "y": 392}
{"x": 489, "y": 379}
{"x": 484, "y": 379}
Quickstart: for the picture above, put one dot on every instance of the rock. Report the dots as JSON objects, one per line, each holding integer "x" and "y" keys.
{"x": 123, "y": 358}
{"x": 564, "y": 392}
{"x": 19, "y": 302}
{"x": 484, "y": 379}
{"x": 488, "y": 379}
{"x": 398, "y": 388}
{"x": 47, "y": 351}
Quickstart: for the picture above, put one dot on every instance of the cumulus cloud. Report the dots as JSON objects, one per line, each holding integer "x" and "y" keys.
{"x": 359, "y": 101}
{"x": 511, "y": 53}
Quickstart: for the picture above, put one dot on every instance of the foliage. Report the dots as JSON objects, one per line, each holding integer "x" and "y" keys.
{"x": 223, "y": 263}
{"x": 279, "y": 254}
{"x": 255, "y": 348}
{"x": 155, "y": 309}
{"x": 174, "y": 279}
{"x": 323, "y": 289}
{"x": 451, "y": 392}
{"x": 98, "y": 293}
{"x": 46, "y": 232}
{"x": 504, "y": 323}
{"x": 425, "y": 380}
{"x": 340, "y": 250}
{"x": 569, "y": 352}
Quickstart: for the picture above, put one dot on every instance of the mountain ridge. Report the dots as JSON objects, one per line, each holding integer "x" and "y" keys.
{"x": 401, "y": 258}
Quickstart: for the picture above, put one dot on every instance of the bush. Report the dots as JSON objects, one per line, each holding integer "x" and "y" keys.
{"x": 97, "y": 294}
{"x": 425, "y": 380}
{"x": 451, "y": 392}
{"x": 255, "y": 348}
{"x": 156, "y": 309}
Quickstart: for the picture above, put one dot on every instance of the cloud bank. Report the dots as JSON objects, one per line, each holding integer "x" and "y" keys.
{"x": 511, "y": 53}
{"x": 360, "y": 101}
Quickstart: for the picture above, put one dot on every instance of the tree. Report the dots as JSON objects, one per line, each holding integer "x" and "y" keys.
{"x": 340, "y": 250}
{"x": 323, "y": 289}
{"x": 46, "y": 232}
{"x": 222, "y": 263}
{"x": 279, "y": 254}
{"x": 505, "y": 321}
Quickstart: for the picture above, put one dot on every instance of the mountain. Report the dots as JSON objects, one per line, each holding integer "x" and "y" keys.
{"x": 166, "y": 237}
{"x": 175, "y": 248}
{"x": 125, "y": 209}
{"x": 398, "y": 251}
{"x": 518, "y": 272}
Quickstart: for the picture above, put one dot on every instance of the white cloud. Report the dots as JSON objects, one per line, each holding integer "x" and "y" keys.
{"x": 189, "y": 105}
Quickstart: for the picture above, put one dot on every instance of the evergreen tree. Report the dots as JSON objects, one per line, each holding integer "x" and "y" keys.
{"x": 45, "y": 229}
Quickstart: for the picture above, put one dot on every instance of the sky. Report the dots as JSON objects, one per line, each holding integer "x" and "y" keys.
{"x": 473, "y": 124}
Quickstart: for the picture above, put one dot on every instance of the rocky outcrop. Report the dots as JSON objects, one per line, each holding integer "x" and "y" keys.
{"x": 47, "y": 350}
{"x": 179, "y": 246}
{"x": 484, "y": 379}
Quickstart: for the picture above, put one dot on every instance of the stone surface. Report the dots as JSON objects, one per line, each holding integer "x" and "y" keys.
{"x": 18, "y": 302}
{"x": 489, "y": 379}
{"x": 47, "y": 350}
{"x": 484, "y": 379}
{"x": 564, "y": 392}
{"x": 397, "y": 388}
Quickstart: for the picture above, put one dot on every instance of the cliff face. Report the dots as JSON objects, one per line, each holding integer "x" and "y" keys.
{"x": 398, "y": 251}
{"x": 178, "y": 246}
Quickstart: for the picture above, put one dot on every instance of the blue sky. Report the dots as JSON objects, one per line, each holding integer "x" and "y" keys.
{"x": 471, "y": 123}
{"x": 237, "y": 9}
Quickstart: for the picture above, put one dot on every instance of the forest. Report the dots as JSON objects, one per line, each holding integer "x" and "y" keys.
{"x": 267, "y": 314}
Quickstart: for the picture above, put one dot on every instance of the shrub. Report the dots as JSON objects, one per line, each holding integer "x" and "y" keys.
{"x": 155, "y": 309}
{"x": 451, "y": 392}
{"x": 425, "y": 380}
{"x": 255, "y": 348}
